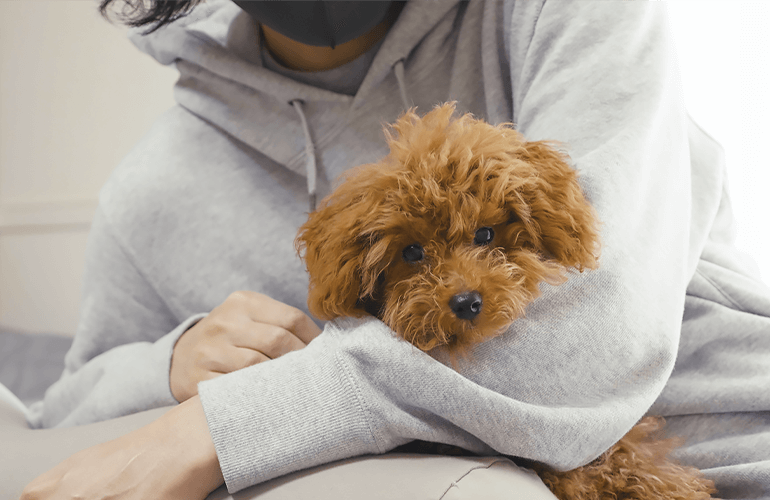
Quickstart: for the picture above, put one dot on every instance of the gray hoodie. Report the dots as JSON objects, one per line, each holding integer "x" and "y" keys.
{"x": 210, "y": 200}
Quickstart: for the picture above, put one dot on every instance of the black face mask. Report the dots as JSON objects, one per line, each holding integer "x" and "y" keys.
{"x": 318, "y": 22}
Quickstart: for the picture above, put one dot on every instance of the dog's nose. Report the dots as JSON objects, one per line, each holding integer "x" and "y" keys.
{"x": 466, "y": 305}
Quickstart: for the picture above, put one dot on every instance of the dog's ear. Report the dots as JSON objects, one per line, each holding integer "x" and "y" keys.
{"x": 559, "y": 214}
{"x": 341, "y": 248}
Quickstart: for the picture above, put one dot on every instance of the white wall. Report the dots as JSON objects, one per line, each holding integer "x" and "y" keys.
{"x": 724, "y": 55}
{"x": 75, "y": 96}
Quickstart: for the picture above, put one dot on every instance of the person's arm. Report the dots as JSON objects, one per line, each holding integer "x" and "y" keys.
{"x": 591, "y": 355}
{"x": 120, "y": 357}
{"x": 123, "y": 360}
{"x": 172, "y": 457}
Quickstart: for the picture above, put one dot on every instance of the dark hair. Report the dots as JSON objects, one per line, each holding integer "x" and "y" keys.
{"x": 152, "y": 13}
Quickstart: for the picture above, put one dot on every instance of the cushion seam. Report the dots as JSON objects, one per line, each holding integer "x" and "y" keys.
{"x": 453, "y": 484}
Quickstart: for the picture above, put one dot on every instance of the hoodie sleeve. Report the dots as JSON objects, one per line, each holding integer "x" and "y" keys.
{"x": 591, "y": 355}
{"x": 120, "y": 359}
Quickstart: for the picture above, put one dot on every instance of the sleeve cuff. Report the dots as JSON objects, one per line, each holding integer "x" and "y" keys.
{"x": 126, "y": 379}
{"x": 284, "y": 415}
{"x": 164, "y": 347}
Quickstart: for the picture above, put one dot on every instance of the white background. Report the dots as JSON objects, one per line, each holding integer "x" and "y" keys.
{"x": 724, "y": 57}
{"x": 75, "y": 96}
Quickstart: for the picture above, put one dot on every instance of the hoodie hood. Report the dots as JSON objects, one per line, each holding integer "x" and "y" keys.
{"x": 223, "y": 81}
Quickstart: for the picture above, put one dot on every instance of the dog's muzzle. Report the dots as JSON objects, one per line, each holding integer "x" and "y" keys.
{"x": 466, "y": 305}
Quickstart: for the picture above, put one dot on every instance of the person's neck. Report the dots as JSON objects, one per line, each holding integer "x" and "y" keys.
{"x": 301, "y": 57}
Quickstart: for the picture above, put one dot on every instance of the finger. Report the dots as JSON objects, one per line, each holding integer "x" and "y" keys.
{"x": 191, "y": 387}
{"x": 271, "y": 340}
{"x": 209, "y": 375}
{"x": 204, "y": 376}
{"x": 250, "y": 357}
{"x": 307, "y": 329}
{"x": 264, "y": 309}
{"x": 234, "y": 359}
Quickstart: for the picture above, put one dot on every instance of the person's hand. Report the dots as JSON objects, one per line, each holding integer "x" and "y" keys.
{"x": 172, "y": 458}
{"x": 246, "y": 329}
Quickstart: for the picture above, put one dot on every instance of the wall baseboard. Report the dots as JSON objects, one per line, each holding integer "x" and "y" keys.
{"x": 53, "y": 215}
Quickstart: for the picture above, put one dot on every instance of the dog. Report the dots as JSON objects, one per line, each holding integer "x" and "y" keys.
{"x": 447, "y": 240}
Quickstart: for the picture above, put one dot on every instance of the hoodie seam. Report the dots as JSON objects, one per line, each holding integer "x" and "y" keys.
{"x": 363, "y": 408}
{"x": 422, "y": 72}
{"x": 527, "y": 56}
{"x": 720, "y": 290}
{"x": 534, "y": 30}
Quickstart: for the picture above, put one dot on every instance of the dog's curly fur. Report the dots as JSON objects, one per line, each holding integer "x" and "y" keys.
{"x": 463, "y": 212}
{"x": 443, "y": 180}
{"x": 636, "y": 468}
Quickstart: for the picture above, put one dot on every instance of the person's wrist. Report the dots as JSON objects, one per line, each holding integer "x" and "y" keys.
{"x": 177, "y": 376}
{"x": 175, "y": 380}
{"x": 186, "y": 427}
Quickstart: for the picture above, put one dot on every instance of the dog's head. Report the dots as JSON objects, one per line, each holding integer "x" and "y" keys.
{"x": 448, "y": 237}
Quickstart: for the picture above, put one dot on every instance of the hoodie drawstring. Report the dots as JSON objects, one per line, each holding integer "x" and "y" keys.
{"x": 398, "y": 69}
{"x": 311, "y": 169}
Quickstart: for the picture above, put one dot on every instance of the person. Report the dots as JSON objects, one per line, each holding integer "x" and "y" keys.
{"x": 201, "y": 217}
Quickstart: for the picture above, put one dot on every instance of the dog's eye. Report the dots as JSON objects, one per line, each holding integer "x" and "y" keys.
{"x": 484, "y": 236}
{"x": 413, "y": 253}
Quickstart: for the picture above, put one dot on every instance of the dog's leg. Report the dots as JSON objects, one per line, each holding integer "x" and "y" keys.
{"x": 636, "y": 468}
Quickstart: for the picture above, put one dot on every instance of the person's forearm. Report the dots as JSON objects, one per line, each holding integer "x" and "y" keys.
{"x": 172, "y": 457}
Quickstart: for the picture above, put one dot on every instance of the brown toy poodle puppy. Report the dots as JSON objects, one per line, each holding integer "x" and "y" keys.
{"x": 447, "y": 239}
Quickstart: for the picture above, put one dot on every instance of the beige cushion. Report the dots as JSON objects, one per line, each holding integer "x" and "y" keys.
{"x": 27, "y": 453}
